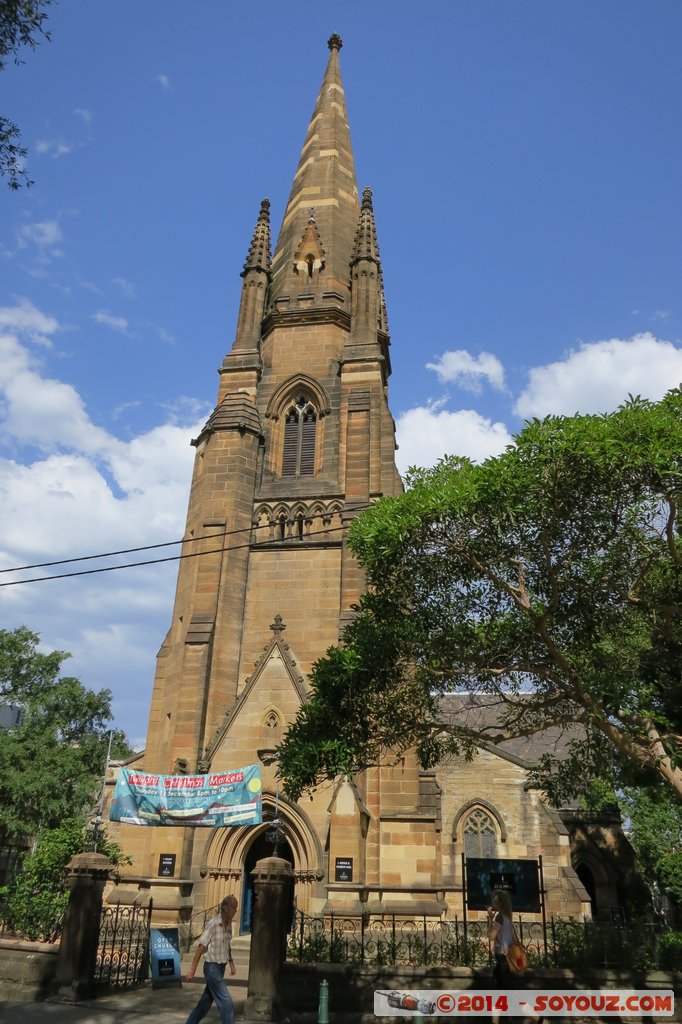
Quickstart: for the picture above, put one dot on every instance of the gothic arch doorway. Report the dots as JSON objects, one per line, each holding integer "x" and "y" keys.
{"x": 259, "y": 848}
{"x": 231, "y": 854}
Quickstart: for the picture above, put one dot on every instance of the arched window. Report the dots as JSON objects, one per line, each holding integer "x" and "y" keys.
{"x": 300, "y": 425}
{"x": 480, "y": 834}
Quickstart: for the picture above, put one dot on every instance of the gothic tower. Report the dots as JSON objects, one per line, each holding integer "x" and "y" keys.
{"x": 300, "y": 440}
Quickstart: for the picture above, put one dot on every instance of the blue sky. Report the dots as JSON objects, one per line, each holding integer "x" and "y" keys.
{"x": 525, "y": 161}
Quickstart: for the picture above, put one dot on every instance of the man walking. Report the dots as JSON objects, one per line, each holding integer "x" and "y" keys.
{"x": 215, "y": 947}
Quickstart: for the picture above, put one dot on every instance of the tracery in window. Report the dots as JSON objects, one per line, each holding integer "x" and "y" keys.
{"x": 300, "y": 429}
{"x": 272, "y": 726}
{"x": 480, "y": 834}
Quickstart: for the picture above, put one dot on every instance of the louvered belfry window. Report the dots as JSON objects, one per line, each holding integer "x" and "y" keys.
{"x": 300, "y": 424}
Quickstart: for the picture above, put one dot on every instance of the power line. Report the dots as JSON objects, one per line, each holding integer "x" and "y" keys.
{"x": 123, "y": 551}
{"x": 104, "y": 554}
{"x": 151, "y": 561}
{"x": 148, "y": 547}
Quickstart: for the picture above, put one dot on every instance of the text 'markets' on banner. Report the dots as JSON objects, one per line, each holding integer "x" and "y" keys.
{"x": 215, "y": 800}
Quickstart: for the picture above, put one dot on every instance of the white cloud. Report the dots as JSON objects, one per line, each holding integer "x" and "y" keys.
{"x": 117, "y": 323}
{"x": 164, "y": 81}
{"x": 27, "y": 321}
{"x": 40, "y": 411}
{"x": 45, "y": 234}
{"x": 87, "y": 491}
{"x": 466, "y": 371}
{"x": 53, "y": 147}
{"x": 599, "y": 375}
{"x": 127, "y": 288}
{"x": 426, "y": 433}
{"x": 85, "y": 115}
{"x": 164, "y": 334}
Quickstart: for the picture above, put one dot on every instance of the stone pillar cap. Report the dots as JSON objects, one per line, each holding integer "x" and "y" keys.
{"x": 83, "y": 863}
{"x": 272, "y": 867}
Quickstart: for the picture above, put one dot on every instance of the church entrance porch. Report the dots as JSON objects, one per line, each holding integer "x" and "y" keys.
{"x": 232, "y": 854}
{"x": 262, "y": 846}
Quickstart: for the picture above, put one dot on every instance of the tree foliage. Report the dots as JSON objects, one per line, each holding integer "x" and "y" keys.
{"x": 22, "y": 25}
{"x": 655, "y": 833}
{"x": 548, "y": 577}
{"x": 34, "y": 905}
{"x": 51, "y": 764}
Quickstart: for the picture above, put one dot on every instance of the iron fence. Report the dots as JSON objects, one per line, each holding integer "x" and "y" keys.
{"x": 123, "y": 948}
{"x": 397, "y": 940}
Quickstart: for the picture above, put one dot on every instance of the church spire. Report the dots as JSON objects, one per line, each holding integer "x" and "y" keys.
{"x": 324, "y": 193}
{"x": 256, "y": 275}
{"x": 368, "y": 338}
{"x": 366, "y": 246}
{"x": 258, "y": 257}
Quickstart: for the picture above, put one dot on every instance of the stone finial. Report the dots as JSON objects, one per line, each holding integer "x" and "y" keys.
{"x": 278, "y": 626}
{"x": 366, "y": 246}
{"x": 335, "y": 42}
{"x": 258, "y": 257}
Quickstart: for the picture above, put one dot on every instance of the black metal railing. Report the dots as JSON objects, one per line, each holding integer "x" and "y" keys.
{"x": 123, "y": 948}
{"x": 386, "y": 939}
{"x": 395, "y": 940}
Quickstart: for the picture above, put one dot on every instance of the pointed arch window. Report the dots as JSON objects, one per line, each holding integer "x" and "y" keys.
{"x": 480, "y": 834}
{"x": 300, "y": 435}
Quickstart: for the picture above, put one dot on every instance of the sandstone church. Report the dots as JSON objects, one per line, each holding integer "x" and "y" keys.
{"x": 302, "y": 439}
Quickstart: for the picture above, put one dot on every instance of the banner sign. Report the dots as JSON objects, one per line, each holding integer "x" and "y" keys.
{"x": 215, "y": 800}
{"x": 164, "y": 950}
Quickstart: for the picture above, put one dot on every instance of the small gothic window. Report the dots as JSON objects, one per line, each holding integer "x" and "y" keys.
{"x": 300, "y": 424}
{"x": 271, "y": 728}
{"x": 480, "y": 835}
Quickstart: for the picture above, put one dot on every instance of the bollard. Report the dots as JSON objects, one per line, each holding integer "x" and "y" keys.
{"x": 323, "y": 1014}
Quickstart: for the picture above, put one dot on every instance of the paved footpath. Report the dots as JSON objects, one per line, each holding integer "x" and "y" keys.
{"x": 137, "y": 1006}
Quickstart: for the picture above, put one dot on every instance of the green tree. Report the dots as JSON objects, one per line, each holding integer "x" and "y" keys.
{"x": 51, "y": 764}
{"x": 548, "y": 578}
{"x": 35, "y": 904}
{"x": 655, "y": 832}
{"x": 22, "y": 24}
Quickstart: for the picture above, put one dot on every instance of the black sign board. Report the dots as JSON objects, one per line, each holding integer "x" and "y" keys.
{"x": 518, "y": 878}
{"x": 166, "y": 865}
{"x": 344, "y": 869}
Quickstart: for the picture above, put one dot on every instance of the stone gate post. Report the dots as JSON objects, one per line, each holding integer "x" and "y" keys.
{"x": 88, "y": 873}
{"x": 273, "y": 878}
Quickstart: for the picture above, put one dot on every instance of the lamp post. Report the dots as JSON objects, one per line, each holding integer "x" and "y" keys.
{"x": 98, "y": 820}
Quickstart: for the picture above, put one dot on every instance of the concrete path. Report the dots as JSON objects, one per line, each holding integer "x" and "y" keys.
{"x": 138, "y": 1006}
{"x": 144, "y": 1005}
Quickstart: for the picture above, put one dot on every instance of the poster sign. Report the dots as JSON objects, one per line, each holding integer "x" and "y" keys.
{"x": 166, "y": 865}
{"x": 164, "y": 952}
{"x": 344, "y": 869}
{"x": 518, "y": 878}
{"x": 215, "y": 800}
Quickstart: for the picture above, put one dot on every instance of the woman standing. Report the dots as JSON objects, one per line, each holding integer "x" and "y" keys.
{"x": 501, "y": 934}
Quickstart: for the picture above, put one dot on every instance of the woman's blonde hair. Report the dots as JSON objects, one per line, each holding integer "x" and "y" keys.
{"x": 500, "y": 901}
